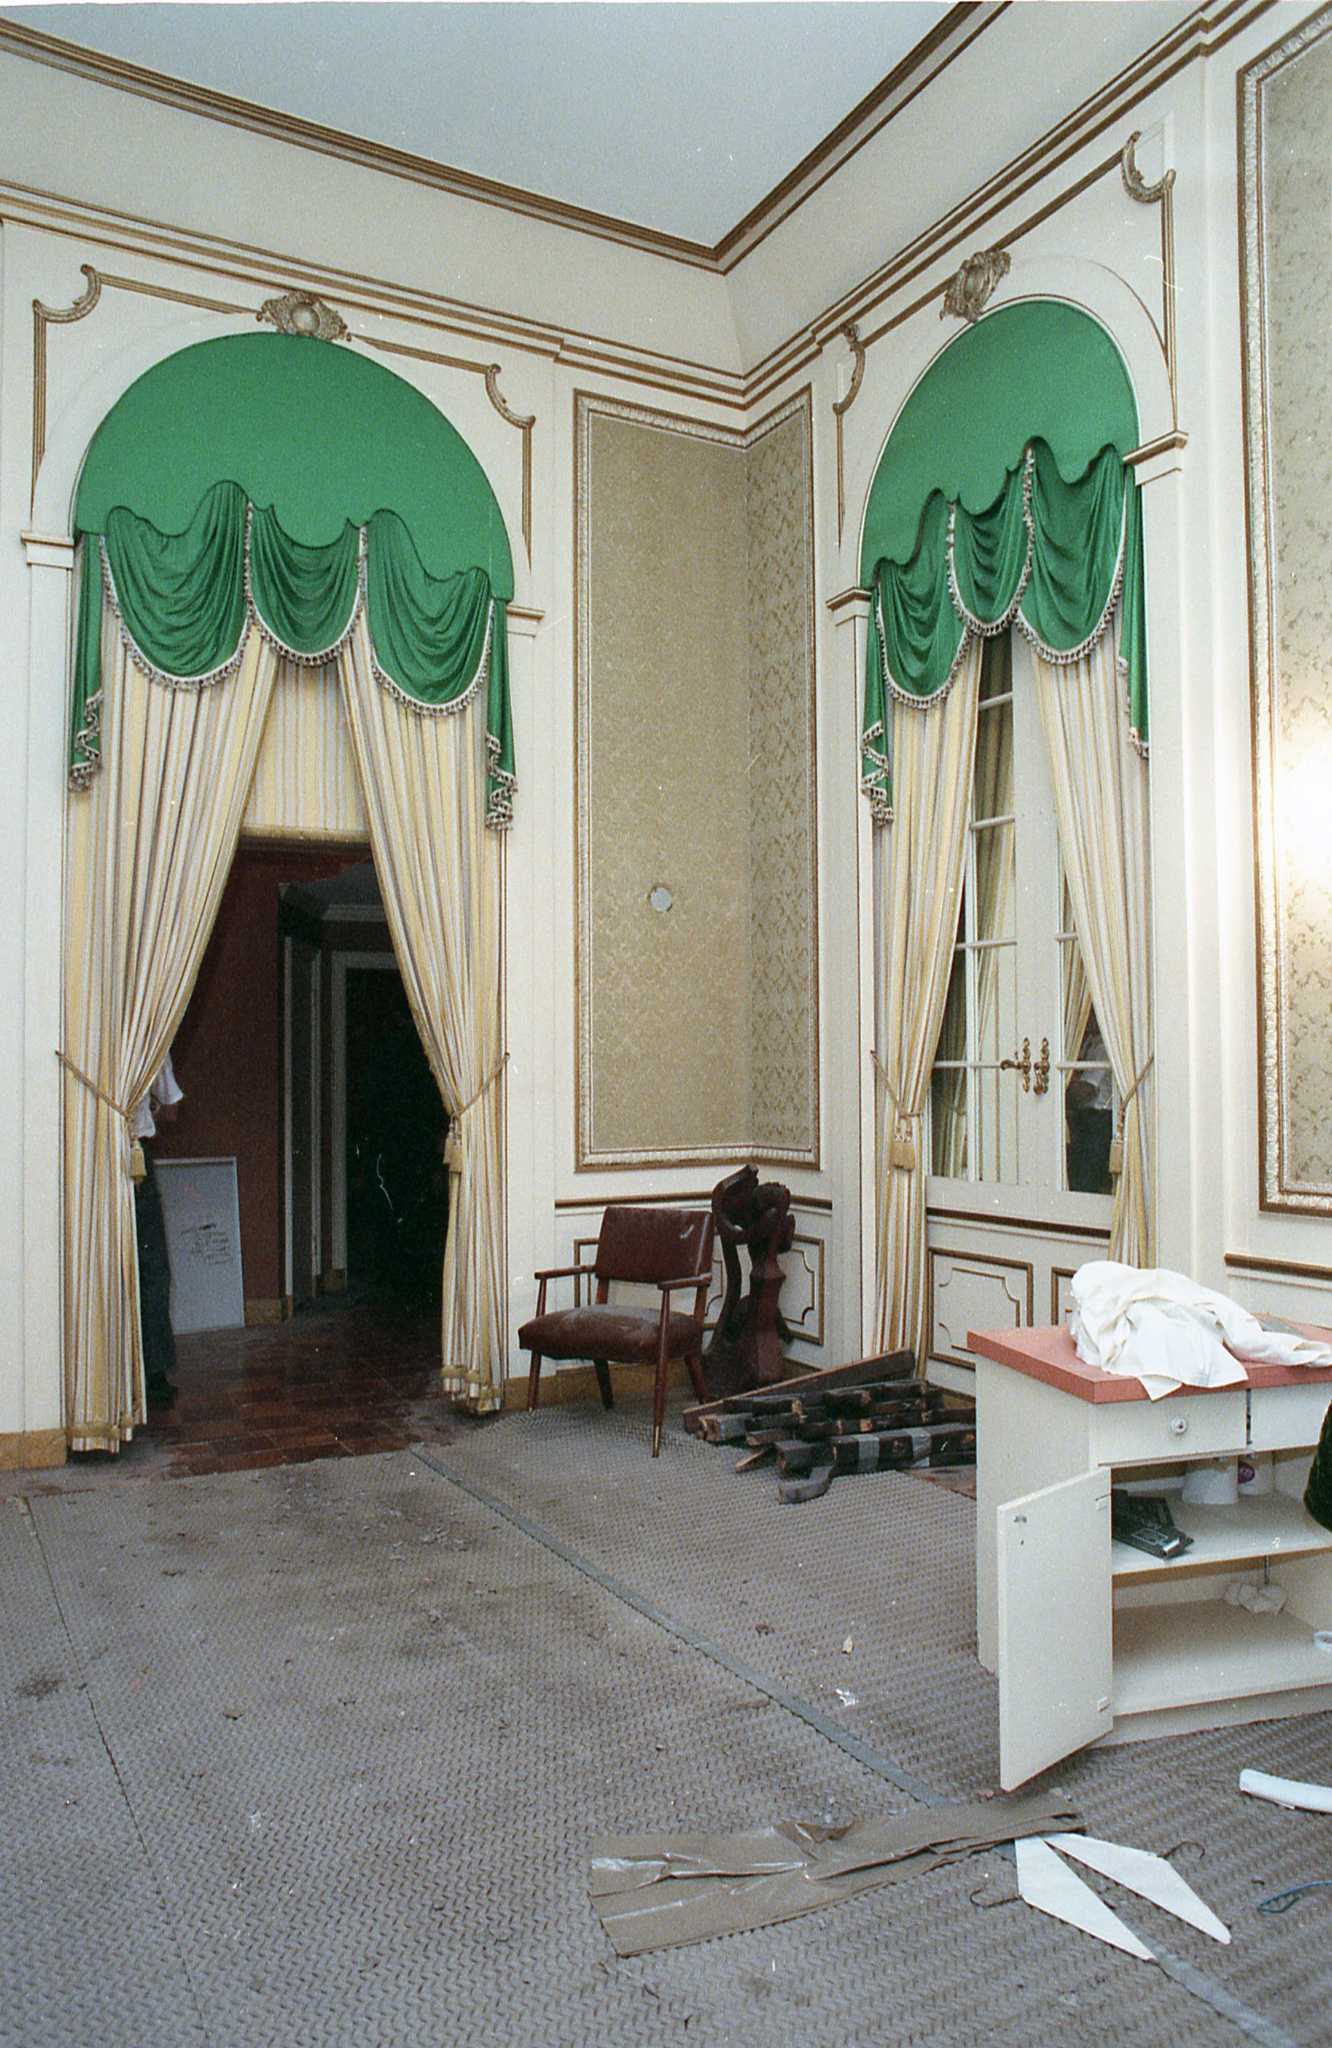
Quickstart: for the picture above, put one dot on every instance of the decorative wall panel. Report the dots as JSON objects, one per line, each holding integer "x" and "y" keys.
{"x": 305, "y": 781}
{"x": 782, "y": 866}
{"x": 696, "y": 1036}
{"x": 974, "y": 1293}
{"x": 1286, "y": 116}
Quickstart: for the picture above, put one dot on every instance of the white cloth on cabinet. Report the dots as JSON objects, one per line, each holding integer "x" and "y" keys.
{"x": 1165, "y": 1330}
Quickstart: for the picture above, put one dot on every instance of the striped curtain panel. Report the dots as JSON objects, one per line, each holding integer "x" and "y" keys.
{"x": 424, "y": 770}
{"x": 149, "y": 846}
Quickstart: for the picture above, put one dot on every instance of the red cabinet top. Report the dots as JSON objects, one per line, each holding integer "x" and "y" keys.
{"x": 1048, "y": 1354}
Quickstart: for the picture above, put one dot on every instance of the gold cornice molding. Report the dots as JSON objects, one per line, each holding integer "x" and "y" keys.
{"x": 1206, "y": 31}
{"x": 231, "y": 112}
{"x": 848, "y": 601}
{"x": 947, "y": 40}
{"x": 1160, "y": 446}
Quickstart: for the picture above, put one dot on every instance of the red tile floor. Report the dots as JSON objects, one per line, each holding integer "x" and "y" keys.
{"x": 334, "y": 1382}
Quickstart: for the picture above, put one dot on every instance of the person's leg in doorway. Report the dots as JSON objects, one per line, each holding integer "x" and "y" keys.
{"x": 159, "y": 1340}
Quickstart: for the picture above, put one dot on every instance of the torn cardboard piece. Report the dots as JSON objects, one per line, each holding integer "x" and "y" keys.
{"x": 665, "y": 1891}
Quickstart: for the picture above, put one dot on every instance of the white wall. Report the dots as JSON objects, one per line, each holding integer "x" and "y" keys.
{"x": 456, "y": 277}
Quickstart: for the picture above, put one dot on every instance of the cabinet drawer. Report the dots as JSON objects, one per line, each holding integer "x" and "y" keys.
{"x": 1178, "y": 1426}
{"x": 1287, "y": 1418}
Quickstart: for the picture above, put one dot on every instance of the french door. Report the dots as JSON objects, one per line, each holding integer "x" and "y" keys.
{"x": 1022, "y": 1106}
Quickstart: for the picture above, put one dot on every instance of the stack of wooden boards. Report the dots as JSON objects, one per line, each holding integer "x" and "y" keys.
{"x": 872, "y": 1416}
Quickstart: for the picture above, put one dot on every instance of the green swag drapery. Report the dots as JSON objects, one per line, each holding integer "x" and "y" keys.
{"x": 1052, "y": 557}
{"x": 185, "y": 602}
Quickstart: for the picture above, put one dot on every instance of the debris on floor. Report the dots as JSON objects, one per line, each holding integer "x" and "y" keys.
{"x": 666, "y": 1891}
{"x": 1287, "y": 1792}
{"x": 819, "y": 1427}
{"x": 1046, "y": 1882}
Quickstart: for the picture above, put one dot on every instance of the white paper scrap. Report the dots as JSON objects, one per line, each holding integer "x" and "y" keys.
{"x": 1151, "y": 1877}
{"x": 1046, "y": 1882}
{"x": 1287, "y": 1791}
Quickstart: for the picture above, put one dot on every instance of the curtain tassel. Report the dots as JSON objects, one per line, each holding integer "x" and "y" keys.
{"x": 902, "y": 1153}
{"x": 1117, "y": 1142}
{"x": 137, "y": 1166}
{"x": 453, "y": 1143}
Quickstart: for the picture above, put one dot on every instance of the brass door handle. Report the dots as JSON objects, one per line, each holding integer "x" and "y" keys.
{"x": 1023, "y": 1067}
{"x": 1041, "y": 1070}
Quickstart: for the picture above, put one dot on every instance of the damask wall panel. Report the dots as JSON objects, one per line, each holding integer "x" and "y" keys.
{"x": 697, "y": 1022}
{"x": 782, "y": 867}
{"x": 664, "y": 1066}
{"x": 1286, "y": 115}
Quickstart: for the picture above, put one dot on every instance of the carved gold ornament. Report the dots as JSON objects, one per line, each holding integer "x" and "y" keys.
{"x": 971, "y": 285}
{"x": 302, "y": 313}
{"x": 1134, "y": 183}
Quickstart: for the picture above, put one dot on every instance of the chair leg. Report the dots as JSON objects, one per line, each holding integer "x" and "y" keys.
{"x": 658, "y": 1407}
{"x": 534, "y": 1380}
{"x": 602, "y": 1371}
{"x": 695, "y": 1363}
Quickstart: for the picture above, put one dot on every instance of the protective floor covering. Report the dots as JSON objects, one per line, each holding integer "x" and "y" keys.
{"x": 312, "y": 1755}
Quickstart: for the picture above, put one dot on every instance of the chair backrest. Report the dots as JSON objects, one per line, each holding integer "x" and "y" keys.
{"x": 653, "y": 1244}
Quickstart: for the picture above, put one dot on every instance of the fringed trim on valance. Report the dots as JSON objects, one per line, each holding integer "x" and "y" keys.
{"x": 990, "y": 630}
{"x": 502, "y": 785}
{"x": 458, "y": 703}
{"x": 86, "y": 748}
{"x": 226, "y": 668}
{"x": 1061, "y": 657}
{"x": 874, "y": 780}
{"x": 895, "y": 689}
{"x": 327, "y": 654}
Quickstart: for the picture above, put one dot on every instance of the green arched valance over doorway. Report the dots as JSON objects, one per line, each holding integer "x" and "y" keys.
{"x": 290, "y": 482}
{"x": 1002, "y": 499}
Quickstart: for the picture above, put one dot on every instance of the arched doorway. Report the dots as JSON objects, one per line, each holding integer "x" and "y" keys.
{"x": 255, "y": 508}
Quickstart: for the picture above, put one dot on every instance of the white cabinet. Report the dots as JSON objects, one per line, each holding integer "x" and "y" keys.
{"x": 1093, "y": 1640}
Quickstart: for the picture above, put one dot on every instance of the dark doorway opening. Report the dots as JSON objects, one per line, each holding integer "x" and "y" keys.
{"x": 299, "y": 1059}
{"x": 397, "y": 1182}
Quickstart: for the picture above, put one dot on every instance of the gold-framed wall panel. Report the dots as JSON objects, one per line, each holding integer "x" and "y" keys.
{"x": 1284, "y": 116}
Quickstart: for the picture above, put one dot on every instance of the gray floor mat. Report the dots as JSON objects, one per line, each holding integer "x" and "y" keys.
{"x": 365, "y": 1728}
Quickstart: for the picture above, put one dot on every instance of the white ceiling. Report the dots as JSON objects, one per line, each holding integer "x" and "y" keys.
{"x": 678, "y": 117}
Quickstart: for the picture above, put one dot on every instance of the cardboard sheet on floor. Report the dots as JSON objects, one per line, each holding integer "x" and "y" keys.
{"x": 664, "y": 1891}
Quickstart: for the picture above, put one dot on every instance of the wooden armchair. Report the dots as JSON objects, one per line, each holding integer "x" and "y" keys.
{"x": 669, "y": 1249}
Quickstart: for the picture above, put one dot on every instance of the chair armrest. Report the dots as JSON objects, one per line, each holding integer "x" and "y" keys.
{"x": 685, "y": 1280}
{"x": 563, "y": 1272}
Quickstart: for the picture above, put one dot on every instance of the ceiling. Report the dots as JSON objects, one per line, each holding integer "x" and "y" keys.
{"x": 677, "y": 117}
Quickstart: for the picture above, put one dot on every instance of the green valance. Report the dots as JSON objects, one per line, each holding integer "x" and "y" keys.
{"x": 184, "y": 602}
{"x": 1051, "y": 556}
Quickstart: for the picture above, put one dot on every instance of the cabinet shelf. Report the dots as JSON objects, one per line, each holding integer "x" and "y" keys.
{"x": 1271, "y": 1526}
{"x": 1181, "y": 1654}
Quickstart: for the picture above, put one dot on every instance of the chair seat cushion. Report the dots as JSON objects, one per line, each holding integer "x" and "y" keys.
{"x": 626, "y": 1336}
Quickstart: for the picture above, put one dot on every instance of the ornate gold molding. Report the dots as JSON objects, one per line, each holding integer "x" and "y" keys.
{"x": 973, "y": 283}
{"x": 522, "y": 422}
{"x": 281, "y": 312}
{"x": 841, "y": 407}
{"x": 1283, "y": 344}
{"x": 1162, "y": 194}
{"x": 1134, "y": 183}
{"x": 301, "y": 313}
{"x": 42, "y": 318}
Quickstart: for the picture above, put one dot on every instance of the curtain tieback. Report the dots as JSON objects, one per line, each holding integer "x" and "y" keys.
{"x": 902, "y": 1153}
{"x": 1117, "y": 1142}
{"x": 138, "y": 1167}
{"x": 453, "y": 1145}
